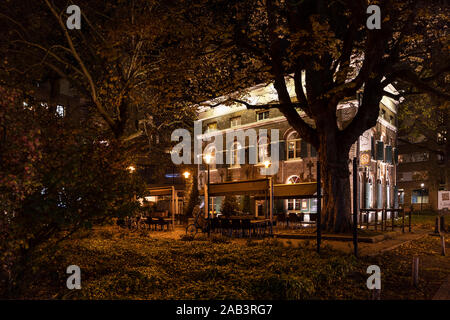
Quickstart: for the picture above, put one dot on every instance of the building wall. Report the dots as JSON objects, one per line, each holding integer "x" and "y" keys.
{"x": 304, "y": 168}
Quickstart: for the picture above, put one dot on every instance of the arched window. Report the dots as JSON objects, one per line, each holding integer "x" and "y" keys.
{"x": 263, "y": 148}
{"x": 236, "y": 147}
{"x": 293, "y": 204}
{"x": 293, "y": 145}
{"x": 212, "y": 151}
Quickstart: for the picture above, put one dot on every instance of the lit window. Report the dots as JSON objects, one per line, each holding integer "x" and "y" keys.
{"x": 419, "y": 196}
{"x": 235, "y": 150}
{"x": 234, "y": 122}
{"x": 212, "y": 151}
{"x": 262, "y": 115}
{"x": 413, "y": 157}
{"x": 211, "y": 126}
{"x": 60, "y": 111}
{"x": 263, "y": 149}
{"x": 294, "y": 204}
{"x": 293, "y": 146}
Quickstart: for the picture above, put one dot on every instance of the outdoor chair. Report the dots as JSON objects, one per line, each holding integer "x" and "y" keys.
{"x": 281, "y": 218}
{"x": 163, "y": 223}
{"x": 151, "y": 223}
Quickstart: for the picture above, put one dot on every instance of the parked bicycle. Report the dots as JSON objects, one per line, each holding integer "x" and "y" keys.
{"x": 200, "y": 223}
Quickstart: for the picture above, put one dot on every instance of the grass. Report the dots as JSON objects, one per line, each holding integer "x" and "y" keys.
{"x": 122, "y": 265}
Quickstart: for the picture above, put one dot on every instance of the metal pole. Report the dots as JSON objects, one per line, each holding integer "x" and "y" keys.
{"x": 421, "y": 199}
{"x": 209, "y": 220}
{"x": 355, "y": 207}
{"x": 319, "y": 209}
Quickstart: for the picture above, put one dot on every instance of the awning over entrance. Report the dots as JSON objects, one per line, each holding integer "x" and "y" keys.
{"x": 167, "y": 191}
{"x": 294, "y": 191}
{"x": 160, "y": 191}
{"x": 246, "y": 187}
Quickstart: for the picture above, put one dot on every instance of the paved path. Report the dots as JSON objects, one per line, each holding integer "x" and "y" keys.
{"x": 370, "y": 249}
{"x": 444, "y": 291}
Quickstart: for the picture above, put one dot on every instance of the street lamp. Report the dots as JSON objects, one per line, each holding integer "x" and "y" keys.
{"x": 186, "y": 174}
{"x": 421, "y": 195}
{"x": 131, "y": 169}
{"x": 208, "y": 158}
{"x": 267, "y": 164}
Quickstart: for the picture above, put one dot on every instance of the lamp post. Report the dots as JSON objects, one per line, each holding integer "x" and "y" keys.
{"x": 267, "y": 164}
{"x": 421, "y": 195}
{"x": 186, "y": 175}
{"x": 208, "y": 160}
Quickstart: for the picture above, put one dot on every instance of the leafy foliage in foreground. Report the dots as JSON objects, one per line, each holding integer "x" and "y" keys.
{"x": 56, "y": 177}
{"x": 131, "y": 266}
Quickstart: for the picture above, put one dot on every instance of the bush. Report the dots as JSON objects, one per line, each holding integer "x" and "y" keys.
{"x": 70, "y": 181}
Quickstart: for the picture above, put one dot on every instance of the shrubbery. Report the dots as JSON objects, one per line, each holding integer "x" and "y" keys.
{"x": 56, "y": 177}
{"x": 134, "y": 267}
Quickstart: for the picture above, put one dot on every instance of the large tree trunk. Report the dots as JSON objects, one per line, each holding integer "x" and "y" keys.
{"x": 335, "y": 173}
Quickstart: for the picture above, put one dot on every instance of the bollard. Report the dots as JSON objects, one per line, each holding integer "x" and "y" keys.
{"x": 443, "y": 244}
{"x": 437, "y": 225}
{"x": 415, "y": 271}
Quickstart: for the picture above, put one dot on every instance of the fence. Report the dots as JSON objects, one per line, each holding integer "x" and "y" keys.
{"x": 384, "y": 219}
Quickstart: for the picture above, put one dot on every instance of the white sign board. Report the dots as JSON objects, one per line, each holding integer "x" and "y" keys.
{"x": 365, "y": 141}
{"x": 443, "y": 200}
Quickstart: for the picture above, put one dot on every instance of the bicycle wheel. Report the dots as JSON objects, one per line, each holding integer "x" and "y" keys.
{"x": 191, "y": 230}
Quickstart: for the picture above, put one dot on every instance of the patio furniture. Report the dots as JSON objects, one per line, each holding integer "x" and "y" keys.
{"x": 161, "y": 222}
{"x": 151, "y": 223}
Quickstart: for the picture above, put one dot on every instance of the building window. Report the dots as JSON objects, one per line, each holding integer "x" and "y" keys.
{"x": 293, "y": 145}
{"x": 413, "y": 176}
{"x": 414, "y": 157}
{"x": 419, "y": 196}
{"x": 211, "y": 127}
{"x": 401, "y": 197}
{"x": 262, "y": 115}
{"x": 391, "y": 120}
{"x": 60, "y": 111}
{"x": 212, "y": 151}
{"x": 294, "y": 204}
{"x": 235, "y": 150}
{"x": 235, "y": 121}
{"x": 263, "y": 149}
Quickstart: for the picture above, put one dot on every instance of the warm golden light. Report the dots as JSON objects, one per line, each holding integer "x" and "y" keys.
{"x": 131, "y": 169}
{"x": 267, "y": 164}
{"x": 208, "y": 158}
{"x": 186, "y": 174}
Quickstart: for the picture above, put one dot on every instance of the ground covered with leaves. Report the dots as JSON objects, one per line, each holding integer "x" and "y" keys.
{"x": 123, "y": 265}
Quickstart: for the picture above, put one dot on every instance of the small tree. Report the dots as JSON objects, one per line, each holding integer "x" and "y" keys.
{"x": 229, "y": 205}
{"x": 56, "y": 178}
{"x": 246, "y": 204}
